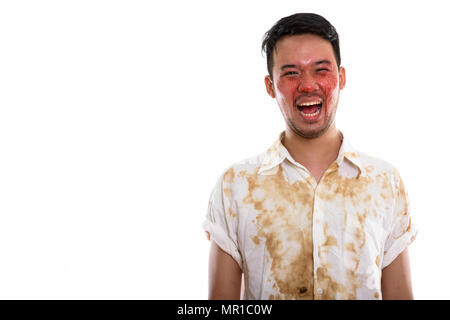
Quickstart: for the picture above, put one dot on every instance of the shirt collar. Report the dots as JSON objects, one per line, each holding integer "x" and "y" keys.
{"x": 277, "y": 153}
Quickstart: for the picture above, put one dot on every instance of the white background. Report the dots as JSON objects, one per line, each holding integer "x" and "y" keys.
{"x": 117, "y": 117}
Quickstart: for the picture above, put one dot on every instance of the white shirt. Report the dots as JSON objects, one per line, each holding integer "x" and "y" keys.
{"x": 297, "y": 239}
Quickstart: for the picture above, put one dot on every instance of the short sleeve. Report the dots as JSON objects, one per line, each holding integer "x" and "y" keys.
{"x": 403, "y": 231}
{"x": 221, "y": 222}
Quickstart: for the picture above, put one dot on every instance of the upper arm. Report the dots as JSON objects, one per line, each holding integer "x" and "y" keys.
{"x": 224, "y": 275}
{"x": 396, "y": 279}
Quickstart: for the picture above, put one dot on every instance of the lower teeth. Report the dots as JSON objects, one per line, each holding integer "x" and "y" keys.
{"x": 310, "y": 114}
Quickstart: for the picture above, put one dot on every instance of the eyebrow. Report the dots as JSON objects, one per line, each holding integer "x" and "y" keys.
{"x": 286, "y": 66}
{"x": 323, "y": 61}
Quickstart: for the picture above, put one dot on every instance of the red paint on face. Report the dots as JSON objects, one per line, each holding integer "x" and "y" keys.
{"x": 305, "y": 70}
{"x": 310, "y": 85}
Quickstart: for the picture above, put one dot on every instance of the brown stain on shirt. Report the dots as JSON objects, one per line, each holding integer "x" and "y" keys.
{"x": 353, "y": 283}
{"x": 354, "y": 188}
{"x": 289, "y": 242}
{"x": 401, "y": 191}
{"x": 256, "y": 240}
{"x": 227, "y": 192}
{"x": 228, "y": 176}
{"x": 353, "y": 248}
{"x": 350, "y": 247}
{"x": 284, "y": 221}
{"x": 331, "y": 288}
{"x": 342, "y": 189}
{"x": 232, "y": 213}
{"x": 280, "y": 206}
{"x": 408, "y": 228}
{"x": 228, "y": 179}
{"x": 330, "y": 241}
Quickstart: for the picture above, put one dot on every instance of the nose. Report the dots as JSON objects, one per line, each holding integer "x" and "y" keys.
{"x": 307, "y": 84}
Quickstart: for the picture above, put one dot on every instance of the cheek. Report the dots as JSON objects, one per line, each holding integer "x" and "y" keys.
{"x": 330, "y": 88}
{"x": 287, "y": 88}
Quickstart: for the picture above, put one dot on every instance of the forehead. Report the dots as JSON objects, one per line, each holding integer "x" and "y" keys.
{"x": 302, "y": 49}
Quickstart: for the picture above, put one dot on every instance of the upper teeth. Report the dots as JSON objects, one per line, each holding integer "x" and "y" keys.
{"x": 309, "y": 103}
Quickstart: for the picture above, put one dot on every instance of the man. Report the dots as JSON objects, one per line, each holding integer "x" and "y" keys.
{"x": 310, "y": 218}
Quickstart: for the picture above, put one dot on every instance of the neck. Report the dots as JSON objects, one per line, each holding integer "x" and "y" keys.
{"x": 317, "y": 152}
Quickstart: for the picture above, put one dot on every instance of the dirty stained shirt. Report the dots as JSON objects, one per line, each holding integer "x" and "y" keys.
{"x": 294, "y": 238}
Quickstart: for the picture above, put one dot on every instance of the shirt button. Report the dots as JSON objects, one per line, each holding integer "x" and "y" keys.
{"x": 319, "y": 291}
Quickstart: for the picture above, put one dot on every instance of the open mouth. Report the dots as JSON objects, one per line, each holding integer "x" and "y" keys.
{"x": 310, "y": 109}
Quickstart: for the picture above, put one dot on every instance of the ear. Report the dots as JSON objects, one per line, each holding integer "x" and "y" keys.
{"x": 269, "y": 86}
{"x": 341, "y": 78}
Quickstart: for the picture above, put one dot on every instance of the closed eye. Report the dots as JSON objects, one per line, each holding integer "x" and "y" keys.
{"x": 290, "y": 73}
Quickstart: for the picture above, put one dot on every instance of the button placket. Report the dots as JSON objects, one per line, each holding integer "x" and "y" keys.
{"x": 318, "y": 220}
{"x": 317, "y": 217}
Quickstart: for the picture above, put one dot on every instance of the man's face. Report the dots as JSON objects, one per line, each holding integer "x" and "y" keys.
{"x": 306, "y": 83}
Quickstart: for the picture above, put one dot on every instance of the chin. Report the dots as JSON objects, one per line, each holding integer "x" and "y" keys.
{"x": 309, "y": 133}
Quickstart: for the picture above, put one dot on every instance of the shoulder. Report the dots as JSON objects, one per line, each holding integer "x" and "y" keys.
{"x": 239, "y": 169}
{"x": 374, "y": 165}
{"x": 232, "y": 184}
{"x": 380, "y": 170}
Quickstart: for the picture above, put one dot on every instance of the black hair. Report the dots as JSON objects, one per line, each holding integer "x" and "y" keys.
{"x": 300, "y": 23}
